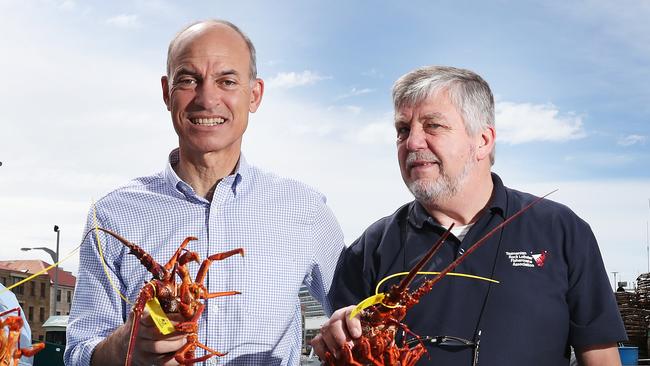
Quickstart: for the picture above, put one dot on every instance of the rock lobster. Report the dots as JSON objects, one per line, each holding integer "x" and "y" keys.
{"x": 381, "y": 321}
{"x": 10, "y": 350}
{"x": 173, "y": 297}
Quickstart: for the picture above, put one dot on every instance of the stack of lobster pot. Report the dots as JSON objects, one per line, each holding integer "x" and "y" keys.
{"x": 633, "y": 318}
{"x": 643, "y": 299}
{"x": 635, "y": 311}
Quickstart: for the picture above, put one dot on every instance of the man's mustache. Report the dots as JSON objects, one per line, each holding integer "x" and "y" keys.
{"x": 421, "y": 156}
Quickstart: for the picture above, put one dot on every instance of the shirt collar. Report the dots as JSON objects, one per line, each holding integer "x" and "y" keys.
{"x": 241, "y": 170}
{"x": 418, "y": 215}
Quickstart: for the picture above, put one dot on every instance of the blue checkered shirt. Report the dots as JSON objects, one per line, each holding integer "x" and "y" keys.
{"x": 289, "y": 235}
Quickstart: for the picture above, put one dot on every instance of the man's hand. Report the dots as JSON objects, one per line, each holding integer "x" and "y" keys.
{"x": 336, "y": 332}
{"x": 151, "y": 347}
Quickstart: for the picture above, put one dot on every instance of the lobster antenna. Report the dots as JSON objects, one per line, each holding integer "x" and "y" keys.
{"x": 414, "y": 271}
{"x": 475, "y": 246}
{"x": 17, "y": 310}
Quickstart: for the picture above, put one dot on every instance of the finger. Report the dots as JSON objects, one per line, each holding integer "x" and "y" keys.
{"x": 152, "y": 359}
{"x": 161, "y": 347}
{"x": 335, "y": 338}
{"x": 169, "y": 360}
{"x": 334, "y": 332}
{"x": 145, "y": 318}
{"x": 353, "y": 324}
{"x": 319, "y": 346}
{"x": 149, "y": 330}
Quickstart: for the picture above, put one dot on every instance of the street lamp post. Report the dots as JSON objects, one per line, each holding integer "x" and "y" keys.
{"x": 55, "y": 258}
{"x": 56, "y": 269}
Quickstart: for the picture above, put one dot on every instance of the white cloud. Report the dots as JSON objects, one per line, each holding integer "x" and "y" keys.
{"x": 68, "y": 5}
{"x": 287, "y": 80}
{"x": 618, "y": 220}
{"x": 375, "y": 133}
{"x": 602, "y": 159}
{"x": 525, "y": 122}
{"x": 355, "y": 92}
{"x": 373, "y": 73}
{"x": 630, "y": 140}
{"x": 124, "y": 21}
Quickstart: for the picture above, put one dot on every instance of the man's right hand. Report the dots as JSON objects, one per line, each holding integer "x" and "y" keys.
{"x": 338, "y": 330}
{"x": 151, "y": 347}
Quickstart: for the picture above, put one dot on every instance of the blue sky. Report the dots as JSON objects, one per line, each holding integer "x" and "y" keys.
{"x": 82, "y": 111}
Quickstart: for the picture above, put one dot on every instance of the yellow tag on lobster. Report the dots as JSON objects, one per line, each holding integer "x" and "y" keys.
{"x": 372, "y": 300}
{"x": 159, "y": 317}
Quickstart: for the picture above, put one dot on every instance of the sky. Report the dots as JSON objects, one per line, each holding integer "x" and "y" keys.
{"x": 82, "y": 110}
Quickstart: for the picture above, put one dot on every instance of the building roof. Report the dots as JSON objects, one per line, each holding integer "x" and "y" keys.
{"x": 32, "y": 266}
{"x": 56, "y": 321}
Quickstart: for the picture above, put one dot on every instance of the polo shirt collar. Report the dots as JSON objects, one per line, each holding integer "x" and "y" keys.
{"x": 173, "y": 180}
{"x": 418, "y": 215}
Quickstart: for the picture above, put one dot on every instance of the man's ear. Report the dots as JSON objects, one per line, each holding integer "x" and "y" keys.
{"x": 164, "y": 82}
{"x": 486, "y": 140}
{"x": 257, "y": 91}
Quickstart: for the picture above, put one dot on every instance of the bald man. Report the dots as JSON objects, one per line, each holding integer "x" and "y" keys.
{"x": 208, "y": 190}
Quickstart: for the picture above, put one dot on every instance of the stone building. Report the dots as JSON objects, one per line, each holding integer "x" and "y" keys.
{"x": 37, "y": 297}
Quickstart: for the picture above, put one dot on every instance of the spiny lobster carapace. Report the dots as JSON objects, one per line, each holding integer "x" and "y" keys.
{"x": 10, "y": 348}
{"x": 381, "y": 322}
{"x": 183, "y": 298}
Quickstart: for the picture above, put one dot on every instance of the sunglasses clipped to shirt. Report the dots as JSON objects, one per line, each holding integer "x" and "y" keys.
{"x": 449, "y": 342}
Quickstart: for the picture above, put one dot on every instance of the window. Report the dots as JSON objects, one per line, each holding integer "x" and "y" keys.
{"x": 69, "y": 297}
{"x": 20, "y": 289}
{"x": 42, "y": 289}
{"x": 32, "y": 288}
{"x": 30, "y": 316}
{"x": 58, "y": 295}
{"x": 58, "y": 313}
{"x": 41, "y": 315}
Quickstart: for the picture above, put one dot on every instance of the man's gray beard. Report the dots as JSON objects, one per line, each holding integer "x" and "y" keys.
{"x": 443, "y": 188}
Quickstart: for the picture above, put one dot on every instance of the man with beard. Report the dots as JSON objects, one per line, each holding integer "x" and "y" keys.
{"x": 553, "y": 291}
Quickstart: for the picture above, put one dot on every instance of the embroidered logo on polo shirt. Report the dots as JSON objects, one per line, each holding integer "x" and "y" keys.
{"x": 527, "y": 259}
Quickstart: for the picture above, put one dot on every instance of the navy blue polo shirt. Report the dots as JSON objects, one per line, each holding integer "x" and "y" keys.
{"x": 553, "y": 290}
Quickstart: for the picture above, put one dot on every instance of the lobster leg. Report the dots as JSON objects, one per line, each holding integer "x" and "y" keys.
{"x": 191, "y": 326}
{"x": 17, "y": 310}
{"x": 147, "y": 293}
{"x": 27, "y": 352}
{"x": 212, "y": 295}
{"x": 177, "y": 254}
{"x": 365, "y": 352}
{"x": 412, "y": 356}
{"x": 200, "y": 276}
{"x": 185, "y": 356}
